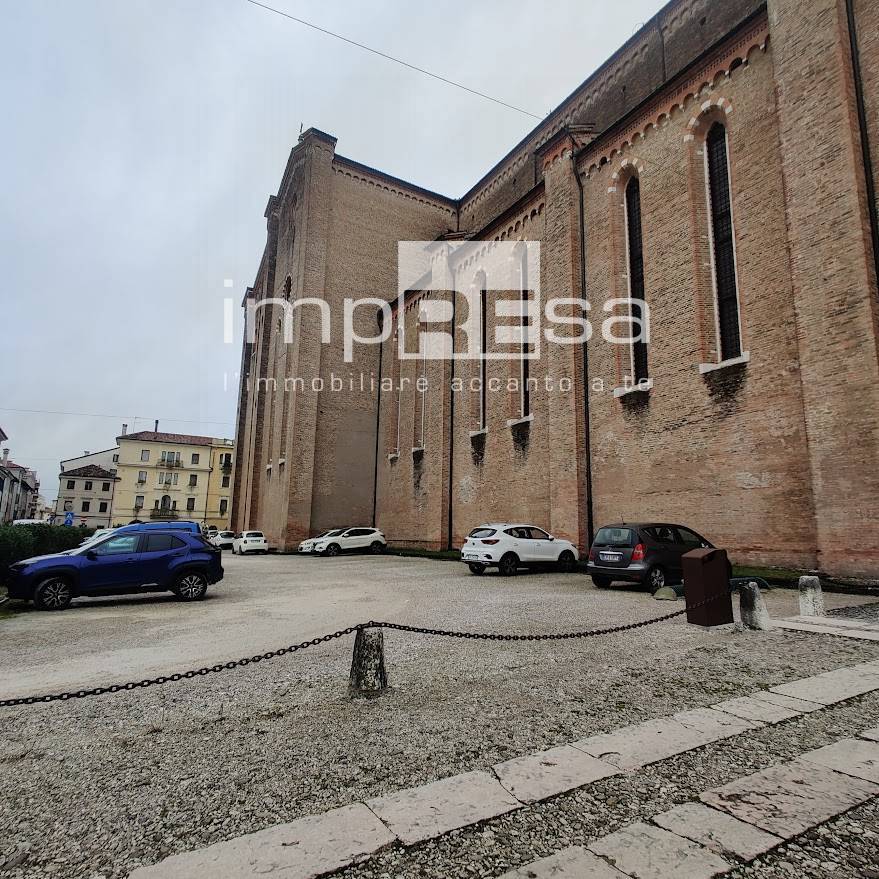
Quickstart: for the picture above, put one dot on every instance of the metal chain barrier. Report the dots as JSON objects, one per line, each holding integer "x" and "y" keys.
{"x": 372, "y": 624}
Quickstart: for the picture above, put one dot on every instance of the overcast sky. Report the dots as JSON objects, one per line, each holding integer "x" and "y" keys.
{"x": 142, "y": 139}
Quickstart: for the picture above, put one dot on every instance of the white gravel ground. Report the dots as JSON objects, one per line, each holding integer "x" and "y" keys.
{"x": 96, "y": 787}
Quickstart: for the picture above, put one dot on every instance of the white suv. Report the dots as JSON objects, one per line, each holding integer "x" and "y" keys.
{"x": 249, "y": 541}
{"x": 509, "y": 547}
{"x": 308, "y": 545}
{"x": 352, "y": 540}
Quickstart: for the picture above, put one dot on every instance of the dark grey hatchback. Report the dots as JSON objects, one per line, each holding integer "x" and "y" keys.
{"x": 646, "y": 553}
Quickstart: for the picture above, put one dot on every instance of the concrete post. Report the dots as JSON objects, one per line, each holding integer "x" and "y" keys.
{"x": 753, "y": 608}
{"x": 811, "y": 597}
{"x": 368, "y": 676}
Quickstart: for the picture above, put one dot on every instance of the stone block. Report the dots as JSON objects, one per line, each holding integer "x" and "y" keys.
{"x": 750, "y": 708}
{"x": 647, "y": 852}
{"x": 420, "y": 813}
{"x": 854, "y": 757}
{"x": 717, "y": 831}
{"x": 570, "y": 863}
{"x": 790, "y": 798}
{"x": 551, "y": 772}
{"x": 301, "y": 849}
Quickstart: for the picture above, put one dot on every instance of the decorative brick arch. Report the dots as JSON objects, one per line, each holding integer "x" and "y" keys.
{"x": 628, "y": 168}
{"x": 713, "y": 110}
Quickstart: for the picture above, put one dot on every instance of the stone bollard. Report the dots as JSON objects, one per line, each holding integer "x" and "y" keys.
{"x": 753, "y": 608}
{"x": 368, "y": 675}
{"x": 811, "y": 597}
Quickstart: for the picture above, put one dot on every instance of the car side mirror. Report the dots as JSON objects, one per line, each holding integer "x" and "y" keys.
{"x": 551, "y": 537}
{"x": 91, "y": 555}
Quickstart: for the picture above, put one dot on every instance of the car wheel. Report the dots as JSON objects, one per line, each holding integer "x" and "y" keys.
{"x": 567, "y": 562}
{"x": 333, "y": 549}
{"x": 377, "y": 547}
{"x": 191, "y": 586}
{"x": 601, "y": 582}
{"x": 655, "y": 578}
{"x": 53, "y": 593}
{"x": 509, "y": 564}
{"x": 477, "y": 569}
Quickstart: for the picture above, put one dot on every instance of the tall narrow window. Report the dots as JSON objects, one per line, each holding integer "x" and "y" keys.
{"x": 395, "y": 380}
{"x": 483, "y": 359}
{"x": 723, "y": 244}
{"x": 526, "y": 322}
{"x": 421, "y": 388}
{"x": 635, "y": 250}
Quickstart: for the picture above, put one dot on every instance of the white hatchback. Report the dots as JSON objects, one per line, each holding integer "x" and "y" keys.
{"x": 509, "y": 547}
{"x": 223, "y": 539}
{"x": 249, "y": 541}
{"x": 352, "y": 540}
{"x": 308, "y": 545}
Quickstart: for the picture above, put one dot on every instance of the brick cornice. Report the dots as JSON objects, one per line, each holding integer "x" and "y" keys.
{"x": 677, "y": 94}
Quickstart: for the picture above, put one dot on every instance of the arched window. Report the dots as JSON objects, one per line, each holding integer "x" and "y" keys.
{"x": 635, "y": 251}
{"x": 723, "y": 249}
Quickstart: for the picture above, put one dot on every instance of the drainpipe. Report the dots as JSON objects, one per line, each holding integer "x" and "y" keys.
{"x": 452, "y": 426}
{"x": 378, "y": 411}
{"x": 590, "y": 523}
{"x": 870, "y": 183}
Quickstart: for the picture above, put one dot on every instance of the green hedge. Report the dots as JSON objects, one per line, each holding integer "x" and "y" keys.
{"x": 24, "y": 541}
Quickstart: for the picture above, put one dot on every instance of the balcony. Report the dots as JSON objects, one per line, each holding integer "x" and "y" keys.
{"x": 163, "y": 514}
{"x": 226, "y": 467}
{"x": 169, "y": 463}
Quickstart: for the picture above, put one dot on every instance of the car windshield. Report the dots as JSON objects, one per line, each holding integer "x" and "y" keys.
{"x": 227, "y": 534}
{"x": 614, "y": 537}
{"x": 482, "y": 532}
{"x": 335, "y": 533}
{"x": 253, "y": 534}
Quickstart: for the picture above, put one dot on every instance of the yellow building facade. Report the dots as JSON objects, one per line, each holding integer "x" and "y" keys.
{"x": 173, "y": 476}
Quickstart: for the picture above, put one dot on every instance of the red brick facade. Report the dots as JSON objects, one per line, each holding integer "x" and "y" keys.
{"x": 773, "y": 454}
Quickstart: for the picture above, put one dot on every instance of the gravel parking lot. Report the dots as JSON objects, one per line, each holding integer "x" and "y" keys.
{"x": 96, "y": 787}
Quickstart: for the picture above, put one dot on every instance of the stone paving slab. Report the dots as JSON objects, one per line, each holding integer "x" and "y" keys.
{"x": 551, "y": 772}
{"x": 570, "y": 863}
{"x": 859, "y": 632}
{"x": 632, "y": 747}
{"x": 302, "y": 849}
{"x": 871, "y": 734}
{"x": 835, "y": 622}
{"x": 801, "y": 705}
{"x": 647, "y": 852}
{"x": 751, "y": 708}
{"x": 833, "y": 686}
{"x": 849, "y": 756}
{"x": 714, "y": 725}
{"x": 420, "y": 813}
{"x": 643, "y": 743}
{"x": 717, "y": 831}
{"x": 790, "y": 798}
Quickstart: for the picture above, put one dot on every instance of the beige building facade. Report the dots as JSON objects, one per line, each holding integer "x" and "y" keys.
{"x": 171, "y": 476}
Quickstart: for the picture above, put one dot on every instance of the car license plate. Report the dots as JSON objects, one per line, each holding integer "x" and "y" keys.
{"x": 610, "y": 556}
{"x": 469, "y": 555}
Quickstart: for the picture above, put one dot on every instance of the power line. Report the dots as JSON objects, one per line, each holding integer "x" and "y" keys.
{"x": 108, "y": 415}
{"x": 395, "y": 60}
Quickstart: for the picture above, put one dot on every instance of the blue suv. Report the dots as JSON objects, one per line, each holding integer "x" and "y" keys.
{"x": 121, "y": 564}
